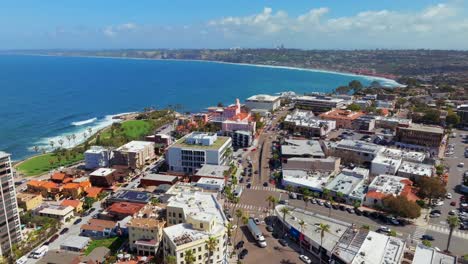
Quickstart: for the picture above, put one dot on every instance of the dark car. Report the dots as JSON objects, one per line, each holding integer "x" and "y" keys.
{"x": 249, "y": 185}
{"x": 241, "y": 180}
{"x": 64, "y": 230}
{"x": 335, "y": 206}
{"x": 427, "y": 237}
{"x": 436, "y": 212}
{"x": 365, "y": 213}
{"x": 275, "y": 235}
{"x": 77, "y": 221}
{"x": 240, "y": 244}
{"x": 357, "y": 211}
{"x": 243, "y": 253}
{"x": 342, "y": 207}
{"x": 269, "y": 228}
{"x": 374, "y": 214}
{"x": 265, "y": 184}
{"x": 53, "y": 238}
{"x": 256, "y": 172}
{"x": 283, "y": 242}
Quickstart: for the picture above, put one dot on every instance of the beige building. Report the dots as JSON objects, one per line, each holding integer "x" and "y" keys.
{"x": 61, "y": 213}
{"x": 28, "y": 201}
{"x": 135, "y": 154}
{"x": 194, "y": 219}
{"x": 145, "y": 235}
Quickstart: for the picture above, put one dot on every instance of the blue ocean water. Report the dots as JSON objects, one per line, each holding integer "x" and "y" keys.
{"x": 43, "y": 98}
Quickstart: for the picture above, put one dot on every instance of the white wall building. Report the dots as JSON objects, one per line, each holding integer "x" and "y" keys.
{"x": 385, "y": 165}
{"x": 414, "y": 171}
{"x": 135, "y": 154}
{"x": 307, "y": 124}
{"x": 351, "y": 183}
{"x": 312, "y": 180}
{"x": 263, "y": 102}
{"x": 211, "y": 184}
{"x": 191, "y": 152}
{"x": 97, "y": 157}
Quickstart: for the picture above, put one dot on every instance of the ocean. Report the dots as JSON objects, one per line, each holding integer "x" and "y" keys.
{"x": 45, "y": 98}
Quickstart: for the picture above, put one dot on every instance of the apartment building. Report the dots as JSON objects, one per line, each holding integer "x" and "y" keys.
{"x": 263, "y": 102}
{"x": 194, "y": 150}
{"x": 354, "y": 151}
{"x": 307, "y": 124}
{"x": 343, "y": 118}
{"x": 134, "y": 154}
{"x": 351, "y": 184}
{"x": 193, "y": 219}
{"x": 319, "y": 103}
{"x": 10, "y": 226}
{"x": 29, "y": 201}
{"x": 240, "y": 138}
{"x": 97, "y": 157}
{"x": 145, "y": 235}
{"x": 428, "y": 138}
{"x": 462, "y": 112}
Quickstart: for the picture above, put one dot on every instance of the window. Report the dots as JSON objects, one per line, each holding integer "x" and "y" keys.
{"x": 199, "y": 249}
{"x": 181, "y": 254}
{"x": 201, "y": 225}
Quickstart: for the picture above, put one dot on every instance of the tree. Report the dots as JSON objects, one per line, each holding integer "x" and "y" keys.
{"x": 452, "y": 118}
{"x": 371, "y": 109}
{"x": 60, "y": 141}
{"x": 342, "y": 90}
{"x": 326, "y": 193}
{"x": 155, "y": 201}
{"x": 272, "y": 200}
{"x": 229, "y": 232}
{"x": 367, "y": 227}
{"x": 430, "y": 188}
{"x": 52, "y": 143}
{"x": 439, "y": 170}
{"x": 290, "y": 189}
{"x": 88, "y": 202}
{"x": 284, "y": 210}
{"x": 322, "y": 228}
{"x": 211, "y": 245}
{"x": 189, "y": 257}
{"x": 239, "y": 214}
{"x": 431, "y": 116}
{"x": 401, "y": 206}
{"x": 340, "y": 196}
{"x": 453, "y": 222}
{"x": 354, "y": 107}
{"x": 355, "y": 85}
{"x": 302, "y": 224}
{"x": 427, "y": 243}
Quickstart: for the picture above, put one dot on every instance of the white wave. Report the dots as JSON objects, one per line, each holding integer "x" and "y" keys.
{"x": 84, "y": 122}
{"x": 80, "y": 132}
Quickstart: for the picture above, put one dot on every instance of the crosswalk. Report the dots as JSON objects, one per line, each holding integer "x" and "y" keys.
{"x": 262, "y": 188}
{"x": 259, "y": 211}
{"x": 419, "y": 232}
{"x": 446, "y": 230}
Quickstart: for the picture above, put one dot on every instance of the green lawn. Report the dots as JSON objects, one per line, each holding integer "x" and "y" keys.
{"x": 113, "y": 244}
{"x": 42, "y": 163}
{"x": 133, "y": 129}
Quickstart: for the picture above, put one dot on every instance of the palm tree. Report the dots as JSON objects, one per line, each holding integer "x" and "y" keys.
{"x": 453, "y": 222}
{"x": 73, "y": 136}
{"x": 340, "y": 195}
{"x": 52, "y": 143}
{"x": 245, "y": 220}
{"x": 170, "y": 260}
{"x": 189, "y": 257}
{"x": 60, "y": 141}
{"x": 211, "y": 245}
{"x": 289, "y": 188}
{"x": 284, "y": 210}
{"x": 272, "y": 201}
{"x": 239, "y": 214}
{"x": 36, "y": 149}
{"x": 302, "y": 225}
{"x": 322, "y": 228}
{"x": 229, "y": 232}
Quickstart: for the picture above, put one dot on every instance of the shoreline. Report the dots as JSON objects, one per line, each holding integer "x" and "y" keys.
{"x": 370, "y": 77}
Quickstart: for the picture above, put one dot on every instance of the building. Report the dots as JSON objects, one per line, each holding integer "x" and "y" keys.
{"x": 428, "y": 255}
{"x": 385, "y": 185}
{"x": 154, "y": 179}
{"x": 263, "y": 102}
{"x": 344, "y": 244}
{"x": 305, "y": 123}
{"x": 120, "y": 210}
{"x": 211, "y": 184}
{"x": 351, "y": 184}
{"x": 383, "y": 164}
{"x": 98, "y": 228}
{"x": 414, "y": 171}
{"x": 145, "y": 235}
{"x": 330, "y": 164}
{"x": 10, "y": 232}
{"x": 72, "y": 190}
{"x": 363, "y": 104}
{"x": 93, "y": 192}
{"x": 364, "y": 123}
{"x": 161, "y": 140}
{"x": 211, "y": 171}
{"x": 319, "y": 103}
{"x": 240, "y": 138}
{"x": 354, "y": 151}
{"x": 391, "y": 122}
{"x": 384, "y": 104}
{"x": 134, "y": 154}
{"x": 76, "y": 204}
{"x": 98, "y": 255}
{"x": 103, "y": 177}
{"x": 60, "y": 257}
{"x": 61, "y": 213}
{"x": 192, "y": 220}
{"x": 75, "y": 243}
{"x": 130, "y": 196}
{"x": 191, "y": 152}
{"x": 29, "y": 201}
{"x": 343, "y": 118}
{"x": 462, "y": 112}
{"x": 429, "y": 138}
{"x": 294, "y": 148}
{"x": 312, "y": 180}
{"x": 97, "y": 157}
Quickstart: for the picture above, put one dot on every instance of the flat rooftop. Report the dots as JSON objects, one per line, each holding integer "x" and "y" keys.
{"x": 319, "y": 99}
{"x": 310, "y": 179}
{"x": 302, "y": 148}
{"x": 135, "y": 146}
{"x": 56, "y": 210}
{"x": 210, "y": 181}
{"x": 215, "y": 171}
{"x": 263, "y": 98}
{"x": 424, "y": 128}
{"x": 427, "y": 255}
{"x": 4, "y": 154}
{"x": 389, "y": 184}
{"x": 183, "y": 188}
{"x": 159, "y": 177}
{"x": 348, "y": 181}
{"x": 305, "y": 119}
{"x": 197, "y": 203}
{"x": 416, "y": 168}
{"x": 217, "y": 144}
{"x": 402, "y": 154}
{"x": 102, "y": 172}
{"x": 132, "y": 196}
{"x": 95, "y": 149}
{"x": 358, "y": 145}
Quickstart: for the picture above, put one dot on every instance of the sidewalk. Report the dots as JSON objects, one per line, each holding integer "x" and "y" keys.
{"x": 423, "y": 220}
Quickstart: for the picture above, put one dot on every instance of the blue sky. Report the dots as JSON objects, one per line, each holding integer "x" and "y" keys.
{"x": 304, "y": 24}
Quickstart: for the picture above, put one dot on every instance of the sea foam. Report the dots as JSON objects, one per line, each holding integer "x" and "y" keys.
{"x": 84, "y": 122}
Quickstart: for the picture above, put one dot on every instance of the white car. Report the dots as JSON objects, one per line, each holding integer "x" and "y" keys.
{"x": 306, "y": 259}
{"x": 320, "y": 202}
{"x": 448, "y": 195}
{"x": 22, "y": 260}
{"x": 257, "y": 221}
{"x": 461, "y": 164}
{"x": 384, "y": 229}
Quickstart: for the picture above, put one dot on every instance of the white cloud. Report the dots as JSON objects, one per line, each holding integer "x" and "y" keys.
{"x": 113, "y": 31}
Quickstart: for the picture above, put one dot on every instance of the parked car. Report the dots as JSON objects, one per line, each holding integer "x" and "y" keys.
{"x": 448, "y": 195}
{"x": 335, "y": 206}
{"x": 358, "y": 212}
{"x": 393, "y": 221}
{"x": 365, "y": 213}
{"x": 65, "y": 230}
{"x": 240, "y": 244}
{"x": 256, "y": 220}
{"x": 243, "y": 253}
{"x": 453, "y": 203}
{"x": 327, "y": 204}
{"x": 53, "y": 238}
{"x": 384, "y": 229}
{"x": 249, "y": 185}
{"x": 265, "y": 184}
{"x": 320, "y": 202}
{"x": 306, "y": 259}
{"x": 283, "y": 242}
{"x": 269, "y": 228}
{"x": 436, "y": 211}
{"x": 77, "y": 221}
{"x": 342, "y": 207}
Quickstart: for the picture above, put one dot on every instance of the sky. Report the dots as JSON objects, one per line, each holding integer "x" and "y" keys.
{"x": 304, "y": 24}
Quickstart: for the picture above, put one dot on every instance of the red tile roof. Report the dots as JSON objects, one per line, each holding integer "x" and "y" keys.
{"x": 375, "y": 195}
{"x": 125, "y": 208}
{"x": 93, "y": 192}
{"x": 35, "y": 183}
{"x": 71, "y": 185}
{"x": 72, "y": 203}
{"x": 59, "y": 176}
{"x": 98, "y": 225}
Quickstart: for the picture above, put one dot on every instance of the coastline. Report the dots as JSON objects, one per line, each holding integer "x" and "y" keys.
{"x": 343, "y": 73}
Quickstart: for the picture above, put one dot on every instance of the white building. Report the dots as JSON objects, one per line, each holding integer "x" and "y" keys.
{"x": 301, "y": 148}
{"x": 192, "y": 219}
{"x": 351, "y": 184}
{"x": 61, "y": 213}
{"x": 428, "y": 255}
{"x": 191, "y": 152}
{"x": 210, "y": 184}
{"x": 414, "y": 171}
{"x": 319, "y": 103}
{"x": 97, "y": 157}
{"x": 263, "y": 102}
{"x": 354, "y": 151}
{"x": 383, "y": 164}
{"x": 307, "y": 124}
{"x": 384, "y": 104}
{"x": 384, "y": 185}
{"x": 311, "y": 180}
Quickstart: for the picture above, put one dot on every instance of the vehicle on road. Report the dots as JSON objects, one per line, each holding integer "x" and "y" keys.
{"x": 427, "y": 237}
{"x": 269, "y": 228}
{"x": 257, "y": 221}
{"x": 327, "y": 204}
{"x": 306, "y": 259}
{"x": 77, "y": 221}
{"x": 256, "y": 233}
{"x": 453, "y": 212}
{"x": 283, "y": 242}
{"x": 461, "y": 165}
{"x": 53, "y": 238}
{"x": 240, "y": 244}
{"x": 393, "y": 221}
{"x": 350, "y": 210}
{"x": 448, "y": 195}
{"x": 453, "y": 203}
{"x": 265, "y": 184}
{"x": 384, "y": 229}
{"x": 243, "y": 253}
{"x": 229, "y": 217}
{"x": 320, "y": 202}
{"x": 436, "y": 211}
{"x": 342, "y": 207}
{"x": 40, "y": 252}
{"x": 249, "y": 185}
{"x": 22, "y": 260}
{"x": 64, "y": 230}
